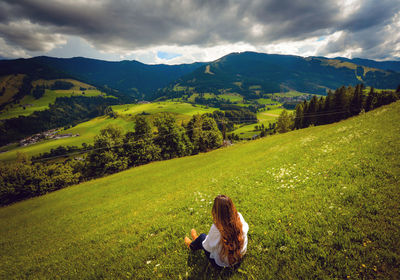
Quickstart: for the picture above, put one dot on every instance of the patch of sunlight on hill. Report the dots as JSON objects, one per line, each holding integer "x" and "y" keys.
{"x": 11, "y": 85}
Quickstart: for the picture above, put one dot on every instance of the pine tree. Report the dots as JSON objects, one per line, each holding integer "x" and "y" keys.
{"x": 356, "y": 101}
{"x": 372, "y": 100}
{"x": 298, "y": 122}
{"x": 312, "y": 110}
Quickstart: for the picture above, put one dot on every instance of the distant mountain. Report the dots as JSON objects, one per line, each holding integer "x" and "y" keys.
{"x": 130, "y": 77}
{"x": 384, "y": 65}
{"x": 246, "y": 73}
{"x": 251, "y": 73}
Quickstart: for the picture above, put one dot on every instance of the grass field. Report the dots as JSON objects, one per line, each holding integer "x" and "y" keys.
{"x": 31, "y": 104}
{"x": 11, "y": 85}
{"x": 158, "y": 107}
{"x": 232, "y": 97}
{"x": 87, "y": 130}
{"x": 291, "y": 93}
{"x": 264, "y": 117}
{"x": 321, "y": 203}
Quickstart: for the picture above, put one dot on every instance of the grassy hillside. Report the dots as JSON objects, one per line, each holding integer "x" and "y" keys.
{"x": 264, "y": 117}
{"x": 89, "y": 129}
{"x": 28, "y": 104}
{"x": 321, "y": 203}
{"x": 158, "y": 107}
{"x": 86, "y": 130}
{"x": 11, "y": 85}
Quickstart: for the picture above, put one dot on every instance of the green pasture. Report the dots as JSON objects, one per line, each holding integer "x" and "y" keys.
{"x": 11, "y": 84}
{"x": 158, "y": 107}
{"x": 321, "y": 203}
{"x": 89, "y": 129}
{"x": 232, "y": 97}
{"x": 291, "y": 93}
{"x": 264, "y": 117}
{"x": 31, "y": 104}
{"x": 267, "y": 101}
{"x": 86, "y": 130}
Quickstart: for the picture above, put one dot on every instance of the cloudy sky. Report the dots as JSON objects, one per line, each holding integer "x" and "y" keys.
{"x": 180, "y": 31}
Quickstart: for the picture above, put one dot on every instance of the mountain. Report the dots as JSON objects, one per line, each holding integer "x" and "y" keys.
{"x": 250, "y": 73}
{"x": 246, "y": 73}
{"x": 384, "y": 65}
{"x": 130, "y": 77}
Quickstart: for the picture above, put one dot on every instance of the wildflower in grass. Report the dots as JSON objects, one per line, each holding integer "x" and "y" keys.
{"x": 148, "y": 262}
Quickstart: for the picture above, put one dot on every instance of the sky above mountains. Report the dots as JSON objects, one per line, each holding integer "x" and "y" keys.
{"x": 184, "y": 31}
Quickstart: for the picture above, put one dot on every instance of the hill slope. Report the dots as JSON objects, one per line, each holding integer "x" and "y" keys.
{"x": 250, "y": 73}
{"x": 322, "y": 202}
{"x": 129, "y": 77}
{"x": 384, "y": 65}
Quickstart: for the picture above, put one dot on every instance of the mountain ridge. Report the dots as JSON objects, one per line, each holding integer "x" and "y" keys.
{"x": 236, "y": 72}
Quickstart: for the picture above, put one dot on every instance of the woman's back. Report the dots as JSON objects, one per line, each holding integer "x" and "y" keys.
{"x": 213, "y": 243}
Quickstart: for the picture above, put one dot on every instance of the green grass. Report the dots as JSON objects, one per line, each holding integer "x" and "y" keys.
{"x": 86, "y": 130}
{"x": 158, "y": 107}
{"x": 232, "y": 97}
{"x": 264, "y": 117}
{"x": 42, "y": 103}
{"x": 266, "y": 101}
{"x": 321, "y": 203}
{"x": 11, "y": 83}
{"x": 291, "y": 93}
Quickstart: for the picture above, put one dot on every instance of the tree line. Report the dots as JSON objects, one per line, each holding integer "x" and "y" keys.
{"x": 341, "y": 104}
{"x": 112, "y": 151}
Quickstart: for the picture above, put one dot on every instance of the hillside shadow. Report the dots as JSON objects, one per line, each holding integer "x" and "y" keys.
{"x": 202, "y": 268}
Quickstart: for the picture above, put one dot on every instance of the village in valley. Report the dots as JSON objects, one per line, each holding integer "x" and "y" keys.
{"x": 49, "y": 134}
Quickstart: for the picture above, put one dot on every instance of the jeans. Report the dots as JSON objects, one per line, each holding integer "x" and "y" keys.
{"x": 197, "y": 244}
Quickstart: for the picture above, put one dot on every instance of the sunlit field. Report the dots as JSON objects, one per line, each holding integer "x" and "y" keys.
{"x": 321, "y": 203}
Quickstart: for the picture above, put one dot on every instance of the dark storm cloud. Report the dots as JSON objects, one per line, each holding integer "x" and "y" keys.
{"x": 130, "y": 24}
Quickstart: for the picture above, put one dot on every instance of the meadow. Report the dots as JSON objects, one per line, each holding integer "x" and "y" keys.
{"x": 165, "y": 106}
{"x": 29, "y": 104}
{"x": 321, "y": 203}
{"x": 89, "y": 129}
{"x": 264, "y": 117}
{"x": 86, "y": 130}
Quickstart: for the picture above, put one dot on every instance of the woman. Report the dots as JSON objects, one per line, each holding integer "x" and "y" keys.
{"x": 226, "y": 242}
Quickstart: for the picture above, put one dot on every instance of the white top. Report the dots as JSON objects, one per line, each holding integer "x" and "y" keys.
{"x": 212, "y": 243}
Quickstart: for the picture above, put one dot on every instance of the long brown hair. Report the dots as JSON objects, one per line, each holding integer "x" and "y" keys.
{"x": 227, "y": 220}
